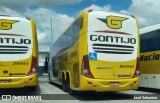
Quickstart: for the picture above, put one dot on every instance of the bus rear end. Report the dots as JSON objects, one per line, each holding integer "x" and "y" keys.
{"x": 18, "y": 52}
{"x": 111, "y": 62}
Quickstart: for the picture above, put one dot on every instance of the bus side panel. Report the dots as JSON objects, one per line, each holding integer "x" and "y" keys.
{"x": 71, "y": 59}
{"x": 35, "y": 43}
{"x": 149, "y": 70}
{"x": 83, "y": 49}
{"x": 157, "y": 81}
{"x": 71, "y": 65}
{"x": 35, "y": 49}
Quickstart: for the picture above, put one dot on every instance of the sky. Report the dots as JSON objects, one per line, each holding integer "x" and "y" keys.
{"x": 63, "y": 12}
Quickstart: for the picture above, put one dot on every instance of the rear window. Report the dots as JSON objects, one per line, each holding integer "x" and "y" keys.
{"x": 15, "y": 26}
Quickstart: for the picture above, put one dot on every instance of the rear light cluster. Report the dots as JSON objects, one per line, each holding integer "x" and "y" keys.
{"x": 33, "y": 69}
{"x": 85, "y": 67}
{"x": 137, "y": 71}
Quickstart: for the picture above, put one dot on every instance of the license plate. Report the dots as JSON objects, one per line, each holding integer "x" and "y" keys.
{"x": 114, "y": 84}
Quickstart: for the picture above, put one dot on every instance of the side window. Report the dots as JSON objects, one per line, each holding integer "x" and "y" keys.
{"x": 74, "y": 32}
{"x": 68, "y": 38}
{"x": 55, "y": 48}
{"x": 152, "y": 40}
{"x": 149, "y": 41}
{"x": 61, "y": 43}
{"x": 53, "y": 51}
{"x": 156, "y": 40}
{"x": 54, "y": 65}
{"x": 142, "y": 45}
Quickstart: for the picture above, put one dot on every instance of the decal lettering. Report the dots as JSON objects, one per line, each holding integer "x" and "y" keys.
{"x": 154, "y": 56}
{"x": 127, "y": 66}
{"x": 15, "y": 41}
{"x": 103, "y": 38}
{"x": 20, "y": 63}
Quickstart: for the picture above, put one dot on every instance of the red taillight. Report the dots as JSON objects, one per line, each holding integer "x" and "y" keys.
{"x": 33, "y": 68}
{"x": 85, "y": 67}
{"x": 137, "y": 72}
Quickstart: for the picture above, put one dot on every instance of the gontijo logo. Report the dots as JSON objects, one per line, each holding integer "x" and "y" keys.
{"x": 113, "y": 22}
{"x": 6, "y": 24}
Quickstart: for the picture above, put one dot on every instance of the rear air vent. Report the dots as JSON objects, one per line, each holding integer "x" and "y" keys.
{"x": 113, "y": 49}
{"x": 13, "y": 49}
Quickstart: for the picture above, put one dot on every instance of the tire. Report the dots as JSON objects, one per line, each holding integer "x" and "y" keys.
{"x": 70, "y": 91}
{"x": 64, "y": 84}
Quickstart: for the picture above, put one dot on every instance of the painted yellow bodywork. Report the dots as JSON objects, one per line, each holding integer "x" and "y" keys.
{"x": 17, "y": 81}
{"x": 73, "y": 65}
{"x": 150, "y": 66}
{"x": 20, "y": 82}
{"x": 101, "y": 85}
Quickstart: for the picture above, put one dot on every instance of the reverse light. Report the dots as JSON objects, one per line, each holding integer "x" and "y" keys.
{"x": 137, "y": 71}
{"x": 33, "y": 69}
{"x": 85, "y": 67}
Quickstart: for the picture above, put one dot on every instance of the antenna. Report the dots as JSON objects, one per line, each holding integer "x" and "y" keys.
{"x": 51, "y": 30}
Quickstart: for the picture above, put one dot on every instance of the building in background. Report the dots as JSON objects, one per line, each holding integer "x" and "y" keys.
{"x": 42, "y": 63}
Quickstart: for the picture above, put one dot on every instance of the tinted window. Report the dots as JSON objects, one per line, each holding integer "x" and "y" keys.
{"x": 73, "y": 32}
{"x": 68, "y": 38}
{"x": 150, "y": 41}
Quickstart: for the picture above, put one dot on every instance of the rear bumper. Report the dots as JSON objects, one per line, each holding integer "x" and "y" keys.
{"x": 101, "y": 85}
{"x": 19, "y": 82}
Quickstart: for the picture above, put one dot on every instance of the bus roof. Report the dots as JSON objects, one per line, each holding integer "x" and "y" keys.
{"x": 14, "y": 16}
{"x": 149, "y": 28}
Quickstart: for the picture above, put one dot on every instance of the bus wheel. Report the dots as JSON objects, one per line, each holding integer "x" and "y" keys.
{"x": 64, "y": 84}
{"x": 72, "y": 92}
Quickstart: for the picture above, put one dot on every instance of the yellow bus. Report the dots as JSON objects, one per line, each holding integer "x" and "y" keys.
{"x": 18, "y": 53}
{"x": 98, "y": 52}
{"x": 150, "y": 57}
